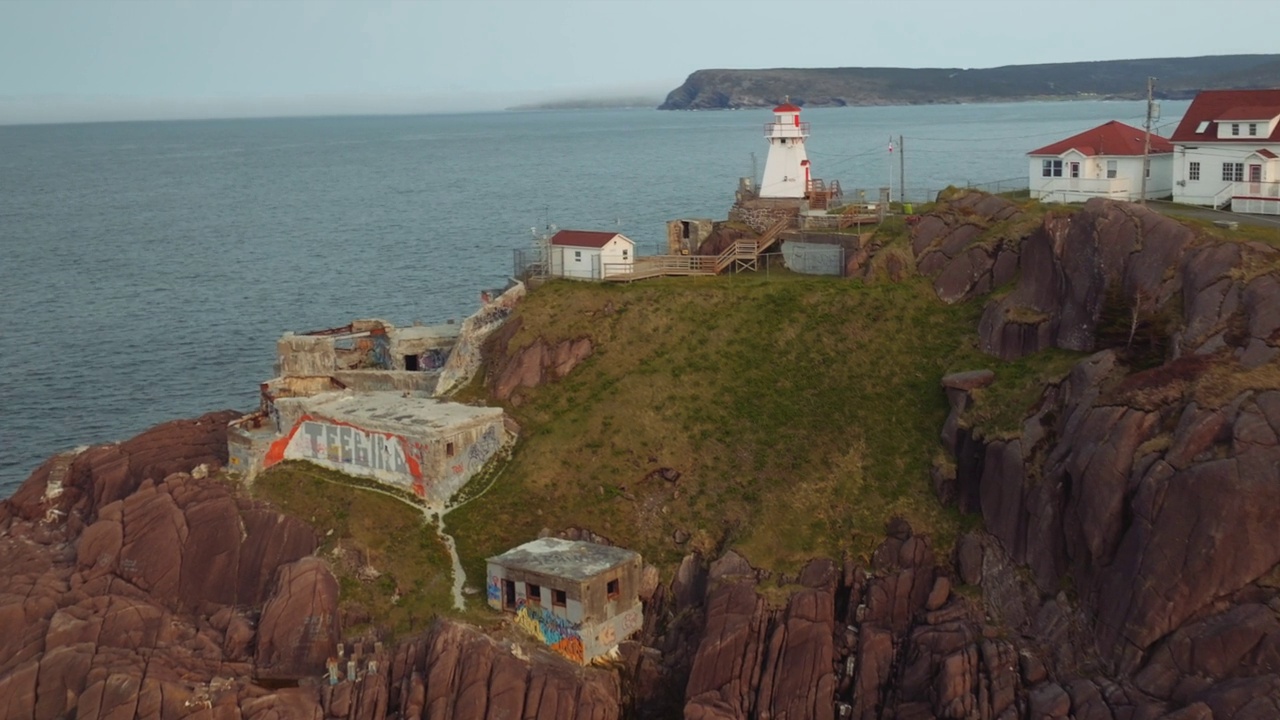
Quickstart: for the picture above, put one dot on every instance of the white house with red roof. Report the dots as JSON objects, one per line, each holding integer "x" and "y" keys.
{"x": 1228, "y": 151}
{"x": 786, "y": 168}
{"x": 588, "y": 255}
{"x": 1105, "y": 161}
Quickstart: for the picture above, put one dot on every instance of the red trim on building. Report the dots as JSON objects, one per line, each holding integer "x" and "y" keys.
{"x": 786, "y": 108}
{"x": 582, "y": 238}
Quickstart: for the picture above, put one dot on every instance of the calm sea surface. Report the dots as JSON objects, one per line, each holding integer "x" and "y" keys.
{"x": 146, "y": 269}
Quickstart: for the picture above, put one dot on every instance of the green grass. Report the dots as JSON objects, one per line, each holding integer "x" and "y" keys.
{"x": 363, "y": 527}
{"x": 802, "y": 412}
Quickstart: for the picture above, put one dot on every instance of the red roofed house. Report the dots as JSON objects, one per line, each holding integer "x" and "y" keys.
{"x": 1228, "y": 151}
{"x": 587, "y": 255}
{"x": 1103, "y": 162}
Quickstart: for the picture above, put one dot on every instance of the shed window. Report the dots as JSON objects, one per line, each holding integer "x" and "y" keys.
{"x": 577, "y": 256}
{"x": 1111, "y": 169}
{"x": 613, "y": 590}
{"x": 558, "y": 598}
{"x": 625, "y": 253}
{"x": 1193, "y": 171}
{"x": 448, "y": 449}
{"x": 1051, "y": 168}
{"x": 533, "y": 593}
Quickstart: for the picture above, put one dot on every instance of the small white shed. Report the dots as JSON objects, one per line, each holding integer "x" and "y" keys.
{"x": 589, "y": 255}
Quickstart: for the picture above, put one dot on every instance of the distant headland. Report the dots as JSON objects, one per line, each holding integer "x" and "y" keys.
{"x": 1178, "y": 78}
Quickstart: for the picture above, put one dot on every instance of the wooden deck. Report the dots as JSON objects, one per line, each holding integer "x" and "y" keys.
{"x": 741, "y": 255}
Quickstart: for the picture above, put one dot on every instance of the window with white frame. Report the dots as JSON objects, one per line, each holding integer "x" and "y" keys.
{"x": 1051, "y": 168}
{"x": 1146, "y": 168}
{"x": 1193, "y": 170}
{"x": 1111, "y": 169}
{"x": 1235, "y": 128}
{"x": 1233, "y": 172}
{"x": 1253, "y": 128}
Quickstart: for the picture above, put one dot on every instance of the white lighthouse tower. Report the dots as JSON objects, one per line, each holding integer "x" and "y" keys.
{"x": 786, "y": 169}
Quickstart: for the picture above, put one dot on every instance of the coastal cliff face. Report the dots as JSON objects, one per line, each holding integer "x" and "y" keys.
{"x": 1128, "y": 566}
{"x": 837, "y": 87}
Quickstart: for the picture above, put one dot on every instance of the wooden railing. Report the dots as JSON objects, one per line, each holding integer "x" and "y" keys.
{"x": 741, "y": 255}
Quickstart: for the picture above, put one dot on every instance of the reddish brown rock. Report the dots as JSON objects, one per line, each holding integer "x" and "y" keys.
{"x": 299, "y": 626}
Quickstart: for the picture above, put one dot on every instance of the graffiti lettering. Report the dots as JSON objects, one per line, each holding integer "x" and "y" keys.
{"x": 550, "y": 629}
{"x": 494, "y": 590}
{"x": 348, "y": 445}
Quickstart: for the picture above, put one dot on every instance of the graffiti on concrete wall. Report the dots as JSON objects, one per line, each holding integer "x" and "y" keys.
{"x": 369, "y": 352}
{"x": 464, "y": 360}
{"x": 348, "y": 447}
{"x": 494, "y": 590}
{"x": 558, "y": 633}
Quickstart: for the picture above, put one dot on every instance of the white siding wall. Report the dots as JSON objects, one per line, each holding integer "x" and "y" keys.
{"x": 1211, "y": 188}
{"x": 575, "y": 262}
{"x": 1093, "y": 181}
{"x": 617, "y": 256}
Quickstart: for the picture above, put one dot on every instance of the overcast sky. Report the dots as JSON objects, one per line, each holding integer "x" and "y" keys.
{"x": 120, "y": 59}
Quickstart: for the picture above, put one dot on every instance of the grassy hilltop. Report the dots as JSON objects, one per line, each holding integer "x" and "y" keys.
{"x": 800, "y": 412}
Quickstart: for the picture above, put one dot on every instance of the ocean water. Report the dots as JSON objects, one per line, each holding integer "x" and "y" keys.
{"x": 147, "y": 268}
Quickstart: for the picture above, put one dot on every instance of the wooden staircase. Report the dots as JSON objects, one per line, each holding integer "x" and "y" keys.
{"x": 745, "y": 254}
{"x": 741, "y": 255}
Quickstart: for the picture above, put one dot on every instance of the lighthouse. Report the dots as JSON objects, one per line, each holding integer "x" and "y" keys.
{"x": 786, "y": 169}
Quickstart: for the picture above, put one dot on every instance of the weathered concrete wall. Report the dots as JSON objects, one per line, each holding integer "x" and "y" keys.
{"x": 433, "y": 460}
{"x": 685, "y": 235}
{"x": 305, "y": 355}
{"x": 464, "y": 361}
{"x": 418, "y": 383}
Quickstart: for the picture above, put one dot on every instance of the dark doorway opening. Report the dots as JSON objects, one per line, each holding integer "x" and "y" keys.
{"x": 411, "y": 363}
{"x": 508, "y": 595}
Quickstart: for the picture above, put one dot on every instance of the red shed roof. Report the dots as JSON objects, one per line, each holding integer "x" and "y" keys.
{"x": 786, "y": 107}
{"x": 1210, "y": 106}
{"x": 582, "y": 238}
{"x": 1113, "y": 138}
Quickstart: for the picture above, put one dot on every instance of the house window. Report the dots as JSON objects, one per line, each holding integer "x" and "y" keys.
{"x": 625, "y": 253}
{"x": 1051, "y": 168}
{"x": 1233, "y": 172}
{"x": 577, "y": 256}
{"x": 1146, "y": 168}
{"x": 1253, "y": 128}
{"x": 1235, "y": 128}
{"x": 448, "y": 449}
{"x": 558, "y": 598}
{"x": 1111, "y": 169}
{"x": 1193, "y": 171}
{"x": 533, "y": 593}
{"x": 613, "y": 590}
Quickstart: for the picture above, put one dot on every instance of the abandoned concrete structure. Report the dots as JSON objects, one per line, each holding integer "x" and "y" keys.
{"x": 363, "y": 399}
{"x": 579, "y": 598}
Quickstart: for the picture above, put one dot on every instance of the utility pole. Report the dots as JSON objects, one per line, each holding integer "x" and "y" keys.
{"x": 889, "y": 199}
{"x": 902, "y": 171}
{"x": 1146, "y": 141}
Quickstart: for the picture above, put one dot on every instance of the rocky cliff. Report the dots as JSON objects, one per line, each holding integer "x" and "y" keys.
{"x": 1128, "y": 566}
{"x": 819, "y": 87}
